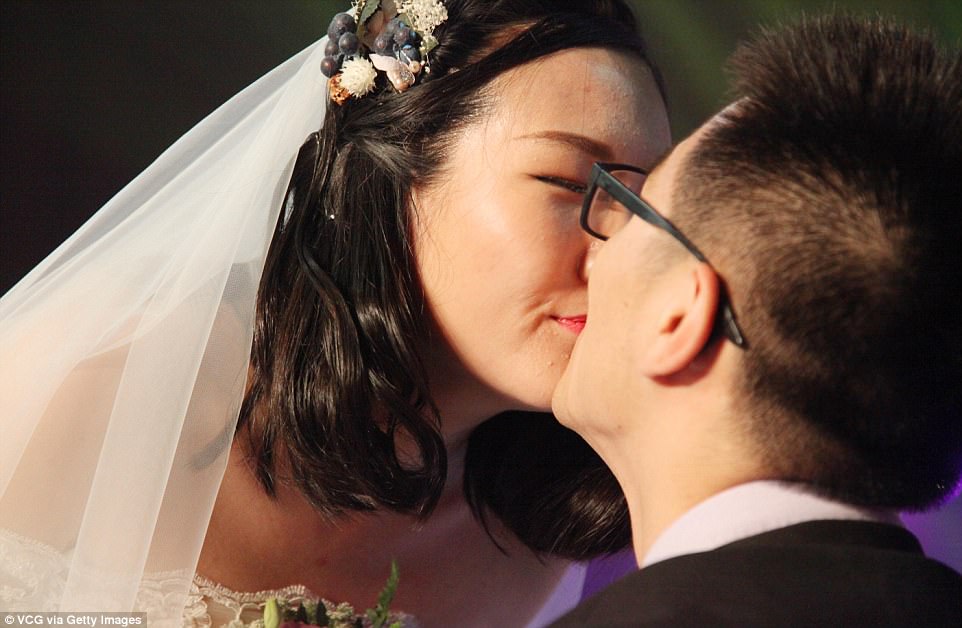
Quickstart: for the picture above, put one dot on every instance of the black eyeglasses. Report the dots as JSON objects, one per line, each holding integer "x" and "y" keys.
{"x": 613, "y": 195}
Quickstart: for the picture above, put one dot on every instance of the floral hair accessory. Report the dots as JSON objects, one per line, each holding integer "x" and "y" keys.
{"x": 394, "y": 38}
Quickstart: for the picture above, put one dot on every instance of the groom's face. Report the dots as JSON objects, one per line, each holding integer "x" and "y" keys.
{"x": 600, "y": 387}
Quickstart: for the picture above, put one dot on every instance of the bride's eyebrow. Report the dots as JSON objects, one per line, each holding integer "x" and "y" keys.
{"x": 579, "y": 142}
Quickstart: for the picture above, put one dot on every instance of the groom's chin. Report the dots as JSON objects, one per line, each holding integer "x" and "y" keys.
{"x": 562, "y": 400}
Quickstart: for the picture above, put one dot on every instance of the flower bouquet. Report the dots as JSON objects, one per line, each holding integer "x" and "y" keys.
{"x": 280, "y": 614}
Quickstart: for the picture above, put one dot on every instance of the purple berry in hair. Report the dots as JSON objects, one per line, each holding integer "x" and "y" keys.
{"x": 402, "y": 36}
{"x": 340, "y": 24}
{"x": 330, "y": 66}
{"x": 410, "y": 53}
{"x": 348, "y": 43}
{"x": 383, "y": 44}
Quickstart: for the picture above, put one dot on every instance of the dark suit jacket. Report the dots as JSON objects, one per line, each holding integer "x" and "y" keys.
{"x": 820, "y": 573}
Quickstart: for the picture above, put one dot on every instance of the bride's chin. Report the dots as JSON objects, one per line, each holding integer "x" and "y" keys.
{"x": 529, "y": 403}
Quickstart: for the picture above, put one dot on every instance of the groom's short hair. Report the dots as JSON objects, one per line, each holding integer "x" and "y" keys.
{"x": 830, "y": 197}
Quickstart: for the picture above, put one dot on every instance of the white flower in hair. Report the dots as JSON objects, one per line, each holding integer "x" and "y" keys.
{"x": 426, "y": 14}
{"x": 357, "y": 76}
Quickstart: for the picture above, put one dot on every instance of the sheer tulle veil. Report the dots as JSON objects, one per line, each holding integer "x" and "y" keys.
{"x": 123, "y": 359}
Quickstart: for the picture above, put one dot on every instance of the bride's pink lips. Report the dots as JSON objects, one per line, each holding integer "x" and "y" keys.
{"x": 572, "y": 323}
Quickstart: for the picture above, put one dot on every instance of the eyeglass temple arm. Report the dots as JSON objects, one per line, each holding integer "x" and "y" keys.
{"x": 646, "y": 212}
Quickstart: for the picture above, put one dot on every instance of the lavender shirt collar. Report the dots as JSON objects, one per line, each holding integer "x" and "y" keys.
{"x": 750, "y": 509}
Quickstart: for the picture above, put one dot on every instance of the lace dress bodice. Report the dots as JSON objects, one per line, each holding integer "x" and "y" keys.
{"x": 33, "y": 578}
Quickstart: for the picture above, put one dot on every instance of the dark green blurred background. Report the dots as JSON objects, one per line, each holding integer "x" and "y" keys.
{"x": 91, "y": 91}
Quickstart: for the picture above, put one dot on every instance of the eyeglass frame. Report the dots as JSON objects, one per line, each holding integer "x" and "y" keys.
{"x": 601, "y": 177}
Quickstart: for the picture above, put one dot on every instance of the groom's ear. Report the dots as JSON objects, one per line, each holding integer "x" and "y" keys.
{"x": 683, "y": 321}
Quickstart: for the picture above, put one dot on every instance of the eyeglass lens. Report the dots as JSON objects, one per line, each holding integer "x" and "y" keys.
{"x": 608, "y": 215}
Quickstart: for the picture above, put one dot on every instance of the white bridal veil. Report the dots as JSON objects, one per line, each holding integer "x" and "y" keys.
{"x": 123, "y": 358}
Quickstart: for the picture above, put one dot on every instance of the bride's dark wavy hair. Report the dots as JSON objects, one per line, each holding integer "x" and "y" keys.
{"x": 337, "y": 371}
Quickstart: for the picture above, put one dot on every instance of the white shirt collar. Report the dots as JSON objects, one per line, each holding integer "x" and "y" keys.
{"x": 751, "y": 509}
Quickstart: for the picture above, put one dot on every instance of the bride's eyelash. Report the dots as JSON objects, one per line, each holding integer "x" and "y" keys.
{"x": 571, "y": 186}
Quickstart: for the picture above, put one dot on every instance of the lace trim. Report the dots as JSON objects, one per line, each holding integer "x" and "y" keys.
{"x": 28, "y": 566}
{"x": 216, "y": 591}
{"x": 245, "y": 609}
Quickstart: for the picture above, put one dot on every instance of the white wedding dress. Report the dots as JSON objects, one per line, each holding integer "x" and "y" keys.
{"x": 33, "y": 576}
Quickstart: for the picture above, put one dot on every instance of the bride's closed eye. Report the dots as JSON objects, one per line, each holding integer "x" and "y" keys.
{"x": 571, "y": 186}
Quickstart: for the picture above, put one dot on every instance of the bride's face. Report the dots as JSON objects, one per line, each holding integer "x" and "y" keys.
{"x": 498, "y": 245}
